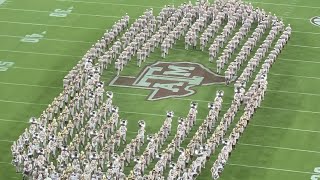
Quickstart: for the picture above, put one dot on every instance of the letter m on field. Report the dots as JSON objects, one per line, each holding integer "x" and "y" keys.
{"x": 179, "y": 70}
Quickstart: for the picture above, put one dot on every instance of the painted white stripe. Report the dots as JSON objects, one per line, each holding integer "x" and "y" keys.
{"x": 294, "y": 110}
{"x": 262, "y": 107}
{"x": 79, "y": 14}
{"x": 281, "y": 148}
{"x": 49, "y": 39}
{"x": 283, "y": 128}
{"x": 289, "y": 75}
{"x": 37, "y": 69}
{"x": 312, "y": 47}
{"x": 30, "y": 85}
{"x": 19, "y": 102}
{"x": 298, "y": 60}
{"x": 288, "y": 5}
{"x": 106, "y": 3}
{"x": 3, "y": 140}
{"x": 290, "y": 92}
{"x": 1, "y": 162}
{"x": 269, "y": 168}
{"x": 305, "y": 32}
{"x": 38, "y": 53}
{"x": 13, "y": 121}
{"x": 51, "y": 25}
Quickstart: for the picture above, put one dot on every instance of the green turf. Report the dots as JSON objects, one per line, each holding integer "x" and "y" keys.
{"x": 280, "y": 143}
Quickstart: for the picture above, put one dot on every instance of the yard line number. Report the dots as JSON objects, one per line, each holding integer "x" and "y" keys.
{"x": 316, "y": 175}
{"x": 33, "y": 38}
{"x": 5, "y": 65}
{"x": 61, "y": 12}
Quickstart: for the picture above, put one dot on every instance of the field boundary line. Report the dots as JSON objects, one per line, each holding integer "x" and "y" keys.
{"x": 269, "y": 168}
{"x": 52, "y": 25}
{"x": 72, "y": 13}
{"x": 48, "y": 39}
{"x": 281, "y": 148}
{"x": 283, "y": 128}
{"x": 38, "y": 53}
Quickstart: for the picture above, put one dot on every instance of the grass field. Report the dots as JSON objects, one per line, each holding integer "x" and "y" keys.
{"x": 282, "y": 141}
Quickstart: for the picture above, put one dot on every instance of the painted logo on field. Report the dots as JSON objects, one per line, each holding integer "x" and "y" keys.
{"x": 169, "y": 79}
{"x": 315, "y": 20}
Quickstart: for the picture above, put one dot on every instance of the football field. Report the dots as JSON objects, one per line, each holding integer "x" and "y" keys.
{"x": 41, "y": 40}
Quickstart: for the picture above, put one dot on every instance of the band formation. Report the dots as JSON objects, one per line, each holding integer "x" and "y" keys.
{"x": 79, "y": 134}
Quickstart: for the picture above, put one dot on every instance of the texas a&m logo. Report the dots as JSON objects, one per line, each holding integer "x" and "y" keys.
{"x": 169, "y": 79}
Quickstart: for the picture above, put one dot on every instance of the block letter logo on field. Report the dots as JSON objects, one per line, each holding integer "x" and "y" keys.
{"x": 169, "y": 79}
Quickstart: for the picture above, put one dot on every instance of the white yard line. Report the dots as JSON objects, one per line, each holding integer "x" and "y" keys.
{"x": 288, "y": 5}
{"x": 262, "y": 107}
{"x": 297, "y": 45}
{"x": 281, "y": 148}
{"x": 269, "y": 168}
{"x": 1, "y": 162}
{"x": 299, "y": 60}
{"x": 283, "y": 128}
{"x": 30, "y": 85}
{"x": 290, "y": 92}
{"x": 49, "y": 39}
{"x": 38, "y": 53}
{"x": 79, "y": 14}
{"x": 305, "y": 32}
{"x": 289, "y": 75}
{"x": 13, "y": 121}
{"x": 4, "y": 140}
{"x": 20, "y": 102}
{"x": 294, "y": 110}
{"x": 51, "y": 25}
{"x": 37, "y": 69}
{"x": 106, "y": 3}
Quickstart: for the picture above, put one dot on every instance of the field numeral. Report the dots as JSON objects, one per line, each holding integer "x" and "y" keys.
{"x": 33, "y": 38}
{"x": 316, "y": 176}
{"x": 4, "y": 65}
{"x": 61, "y": 12}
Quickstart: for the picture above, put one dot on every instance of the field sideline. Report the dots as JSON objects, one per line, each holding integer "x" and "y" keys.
{"x": 280, "y": 143}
